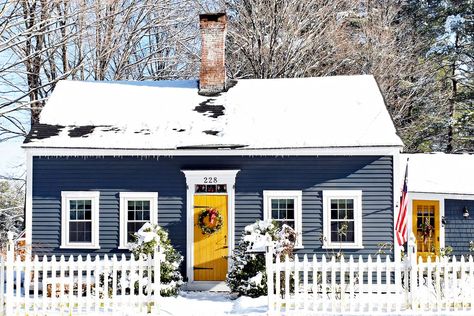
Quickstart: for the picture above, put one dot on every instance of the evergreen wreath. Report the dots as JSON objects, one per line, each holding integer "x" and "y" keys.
{"x": 214, "y": 217}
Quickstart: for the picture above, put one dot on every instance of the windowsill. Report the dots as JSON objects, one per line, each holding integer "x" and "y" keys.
{"x": 342, "y": 246}
{"x": 79, "y": 246}
{"x": 123, "y": 248}
{"x": 298, "y": 247}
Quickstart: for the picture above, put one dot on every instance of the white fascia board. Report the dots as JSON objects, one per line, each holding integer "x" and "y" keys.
{"x": 439, "y": 196}
{"x": 320, "y": 151}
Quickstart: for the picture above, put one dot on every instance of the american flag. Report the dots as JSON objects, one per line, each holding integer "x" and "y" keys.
{"x": 401, "y": 227}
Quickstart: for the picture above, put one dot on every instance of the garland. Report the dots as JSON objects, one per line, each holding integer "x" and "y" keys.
{"x": 426, "y": 230}
{"x": 215, "y": 221}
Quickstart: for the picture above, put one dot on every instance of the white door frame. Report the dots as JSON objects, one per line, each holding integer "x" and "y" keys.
{"x": 194, "y": 177}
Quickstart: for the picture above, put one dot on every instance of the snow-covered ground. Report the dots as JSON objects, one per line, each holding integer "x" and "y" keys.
{"x": 210, "y": 304}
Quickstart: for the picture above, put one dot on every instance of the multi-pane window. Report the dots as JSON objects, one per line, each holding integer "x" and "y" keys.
{"x": 80, "y": 219}
{"x": 138, "y": 213}
{"x": 283, "y": 211}
{"x": 136, "y": 209}
{"x": 285, "y": 207}
{"x": 342, "y": 219}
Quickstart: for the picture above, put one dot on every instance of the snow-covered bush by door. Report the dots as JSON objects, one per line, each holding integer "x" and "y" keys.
{"x": 247, "y": 273}
{"x": 145, "y": 242}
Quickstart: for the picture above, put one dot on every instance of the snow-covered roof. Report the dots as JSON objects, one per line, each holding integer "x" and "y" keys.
{"x": 439, "y": 173}
{"x": 253, "y": 114}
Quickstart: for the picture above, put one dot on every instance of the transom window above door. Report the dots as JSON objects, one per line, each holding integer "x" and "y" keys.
{"x": 210, "y": 188}
{"x": 285, "y": 207}
{"x": 136, "y": 209}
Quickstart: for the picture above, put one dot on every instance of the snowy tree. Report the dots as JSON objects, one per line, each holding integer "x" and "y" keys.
{"x": 145, "y": 243}
{"x": 11, "y": 209}
{"x": 42, "y": 42}
{"x": 247, "y": 273}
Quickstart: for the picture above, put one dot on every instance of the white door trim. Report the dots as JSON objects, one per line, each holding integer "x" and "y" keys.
{"x": 194, "y": 177}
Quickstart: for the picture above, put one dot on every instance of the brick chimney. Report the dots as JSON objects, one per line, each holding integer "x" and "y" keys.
{"x": 212, "y": 78}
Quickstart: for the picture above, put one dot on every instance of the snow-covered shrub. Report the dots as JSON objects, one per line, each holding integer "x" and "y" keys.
{"x": 247, "y": 273}
{"x": 145, "y": 242}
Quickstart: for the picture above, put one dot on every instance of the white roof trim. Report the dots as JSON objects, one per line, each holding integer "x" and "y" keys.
{"x": 330, "y": 151}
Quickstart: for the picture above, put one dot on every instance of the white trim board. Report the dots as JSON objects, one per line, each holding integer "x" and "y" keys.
{"x": 297, "y": 196}
{"x": 331, "y": 151}
{"x": 356, "y": 195}
{"x": 94, "y": 196}
{"x": 124, "y": 197}
{"x": 428, "y": 197}
{"x": 194, "y": 177}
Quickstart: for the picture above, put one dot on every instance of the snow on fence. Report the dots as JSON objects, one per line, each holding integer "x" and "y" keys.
{"x": 78, "y": 285}
{"x": 376, "y": 284}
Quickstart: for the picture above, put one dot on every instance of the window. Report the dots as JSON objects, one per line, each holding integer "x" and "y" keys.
{"x": 342, "y": 216}
{"x": 136, "y": 209}
{"x": 80, "y": 219}
{"x": 284, "y": 207}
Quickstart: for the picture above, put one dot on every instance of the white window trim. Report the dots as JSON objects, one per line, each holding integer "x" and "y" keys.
{"x": 286, "y": 194}
{"x": 80, "y": 195}
{"x": 124, "y": 198}
{"x": 342, "y": 194}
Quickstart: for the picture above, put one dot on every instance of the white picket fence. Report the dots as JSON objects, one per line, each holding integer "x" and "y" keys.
{"x": 78, "y": 285}
{"x": 368, "y": 285}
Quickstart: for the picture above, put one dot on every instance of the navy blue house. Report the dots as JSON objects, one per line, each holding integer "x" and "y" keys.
{"x": 315, "y": 153}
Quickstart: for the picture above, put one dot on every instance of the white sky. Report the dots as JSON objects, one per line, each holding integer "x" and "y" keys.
{"x": 12, "y": 158}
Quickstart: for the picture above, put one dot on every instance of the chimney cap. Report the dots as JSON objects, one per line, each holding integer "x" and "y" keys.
{"x": 212, "y": 17}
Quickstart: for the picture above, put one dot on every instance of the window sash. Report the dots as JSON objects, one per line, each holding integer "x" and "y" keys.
{"x": 342, "y": 207}
{"x": 80, "y": 219}
{"x": 291, "y": 208}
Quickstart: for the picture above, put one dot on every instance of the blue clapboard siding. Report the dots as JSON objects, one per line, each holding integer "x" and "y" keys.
{"x": 109, "y": 175}
{"x": 458, "y": 230}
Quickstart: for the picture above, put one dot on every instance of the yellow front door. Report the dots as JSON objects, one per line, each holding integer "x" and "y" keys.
{"x": 426, "y": 228}
{"x": 210, "y": 250}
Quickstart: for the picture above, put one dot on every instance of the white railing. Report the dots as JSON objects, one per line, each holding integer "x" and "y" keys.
{"x": 369, "y": 285}
{"x": 78, "y": 285}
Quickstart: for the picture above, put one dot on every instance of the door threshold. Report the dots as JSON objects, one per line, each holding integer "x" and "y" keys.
{"x": 211, "y": 286}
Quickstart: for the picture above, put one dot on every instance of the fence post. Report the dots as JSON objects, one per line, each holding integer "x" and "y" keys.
{"x": 412, "y": 267}
{"x": 9, "y": 272}
{"x": 269, "y": 250}
{"x": 157, "y": 276}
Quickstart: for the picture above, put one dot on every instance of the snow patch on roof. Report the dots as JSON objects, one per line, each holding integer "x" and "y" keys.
{"x": 256, "y": 113}
{"x": 439, "y": 173}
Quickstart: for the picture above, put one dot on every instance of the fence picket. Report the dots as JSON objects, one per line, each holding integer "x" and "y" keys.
{"x": 277, "y": 283}
{"x": 26, "y": 283}
{"x": 369, "y": 283}
{"x": 462, "y": 281}
{"x": 379, "y": 283}
{"x": 105, "y": 272}
{"x": 114, "y": 284}
{"x": 429, "y": 283}
{"x": 342, "y": 286}
{"x": 305, "y": 282}
{"x": 361, "y": 304}
{"x": 315, "y": 291}
{"x": 471, "y": 281}
{"x": 398, "y": 285}
{"x": 287, "y": 284}
{"x": 324, "y": 284}
{"x": 333, "y": 283}
{"x": 388, "y": 270}
{"x": 351, "y": 283}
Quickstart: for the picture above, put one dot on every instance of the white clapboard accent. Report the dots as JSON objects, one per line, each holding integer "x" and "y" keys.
{"x": 78, "y": 285}
{"x": 372, "y": 285}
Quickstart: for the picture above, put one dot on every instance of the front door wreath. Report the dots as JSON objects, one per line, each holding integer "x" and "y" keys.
{"x": 215, "y": 221}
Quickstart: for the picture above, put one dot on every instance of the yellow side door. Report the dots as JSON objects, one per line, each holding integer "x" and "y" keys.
{"x": 426, "y": 227}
